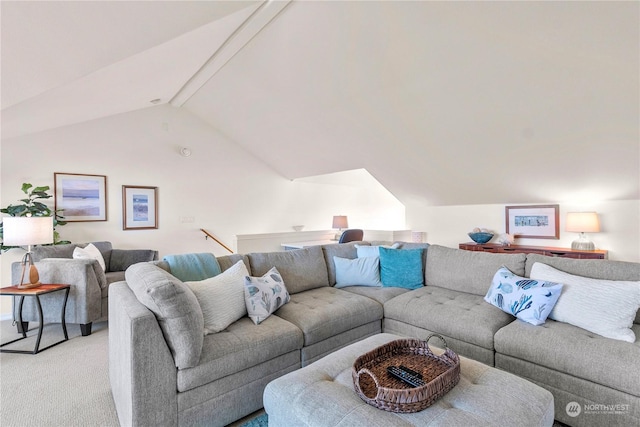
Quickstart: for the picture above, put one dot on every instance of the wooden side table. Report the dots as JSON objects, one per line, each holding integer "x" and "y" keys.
{"x": 36, "y": 292}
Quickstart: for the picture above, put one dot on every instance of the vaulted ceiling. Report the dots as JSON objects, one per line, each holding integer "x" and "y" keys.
{"x": 444, "y": 103}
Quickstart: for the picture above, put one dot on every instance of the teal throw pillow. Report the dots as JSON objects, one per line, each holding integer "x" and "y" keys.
{"x": 401, "y": 268}
{"x": 527, "y": 299}
{"x": 357, "y": 272}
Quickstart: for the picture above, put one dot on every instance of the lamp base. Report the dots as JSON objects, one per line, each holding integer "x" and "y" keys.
{"x": 583, "y": 244}
{"x": 29, "y": 285}
{"x": 34, "y": 277}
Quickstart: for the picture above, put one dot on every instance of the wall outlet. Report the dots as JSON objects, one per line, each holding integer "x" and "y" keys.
{"x": 187, "y": 219}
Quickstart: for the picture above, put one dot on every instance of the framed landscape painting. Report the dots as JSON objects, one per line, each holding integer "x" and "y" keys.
{"x": 81, "y": 197}
{"x": 139, "y": 207}
{"x": 533, "y": 222}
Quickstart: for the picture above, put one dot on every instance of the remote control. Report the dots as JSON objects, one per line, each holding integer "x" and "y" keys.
{"x": 405, "y": 375}
{"x": 411, "y": 371}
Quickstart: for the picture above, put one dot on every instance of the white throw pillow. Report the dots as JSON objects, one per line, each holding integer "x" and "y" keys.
{"x": 604, "y": 307}
{"x": 221, "y": 297}
{"x": 357, "y": 272}
{"x": 90, "y": 252}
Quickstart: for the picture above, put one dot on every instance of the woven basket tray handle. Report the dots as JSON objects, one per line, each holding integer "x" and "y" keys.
{"x": 446, "y": 347}
{"x": 375, "y": 380}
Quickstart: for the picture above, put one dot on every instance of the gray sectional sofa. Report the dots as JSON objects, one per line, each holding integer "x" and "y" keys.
{"x": 162, "y": 373}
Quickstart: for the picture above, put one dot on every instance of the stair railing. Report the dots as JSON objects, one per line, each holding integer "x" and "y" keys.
{"x": 207, "y": 235}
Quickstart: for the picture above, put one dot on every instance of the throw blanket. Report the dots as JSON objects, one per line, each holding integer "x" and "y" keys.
{"x": 193, "y": 267}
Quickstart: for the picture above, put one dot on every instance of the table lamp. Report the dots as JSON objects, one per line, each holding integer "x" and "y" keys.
{"x": 27, "y": 231}
{"x": 340, "y": 222}
{"x": 582, "y": 222}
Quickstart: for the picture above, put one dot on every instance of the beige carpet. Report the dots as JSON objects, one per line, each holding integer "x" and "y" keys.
{"x": 66, "y": 385}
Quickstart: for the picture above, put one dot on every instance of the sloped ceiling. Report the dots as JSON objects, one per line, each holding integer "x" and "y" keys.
{"x": 445, "y": 103}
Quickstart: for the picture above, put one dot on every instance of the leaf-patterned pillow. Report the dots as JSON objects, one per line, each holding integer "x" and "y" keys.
{"x": 527, "y": 299}
{"x": 264, "y": 295}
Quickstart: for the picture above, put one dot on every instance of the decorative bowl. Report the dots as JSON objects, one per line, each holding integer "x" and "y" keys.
{"x": 481, "y": 237}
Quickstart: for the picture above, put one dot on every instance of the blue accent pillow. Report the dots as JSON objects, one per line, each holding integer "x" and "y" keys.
{"x": 401, "y": 268}
{"x": 357, "y": 272}
{"x": 372, "y": 250}
{"x": 527, "y": 299}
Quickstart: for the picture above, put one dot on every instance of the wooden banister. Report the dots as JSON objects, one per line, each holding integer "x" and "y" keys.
{"x": 207, "y": 235}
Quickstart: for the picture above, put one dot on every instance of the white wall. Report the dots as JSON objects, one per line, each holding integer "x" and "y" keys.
{"x": 449, "y": 225}
{"x": 224, "y": 188}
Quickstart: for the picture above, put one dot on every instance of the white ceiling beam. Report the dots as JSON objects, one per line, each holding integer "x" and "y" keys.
{"x": 236, "y": 41}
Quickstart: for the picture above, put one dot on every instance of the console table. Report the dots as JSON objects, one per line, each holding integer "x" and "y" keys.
{"x": 542, "y": 250}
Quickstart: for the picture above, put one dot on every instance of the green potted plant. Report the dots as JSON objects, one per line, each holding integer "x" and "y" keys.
{"x": 32, "y": 206}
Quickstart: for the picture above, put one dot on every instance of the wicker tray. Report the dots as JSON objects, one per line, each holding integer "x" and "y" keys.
{"x": 377, "y": 388}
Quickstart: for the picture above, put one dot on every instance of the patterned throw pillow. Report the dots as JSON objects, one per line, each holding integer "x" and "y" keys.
{"x": 264, "y": 295}
{"x": 527, "y": 299}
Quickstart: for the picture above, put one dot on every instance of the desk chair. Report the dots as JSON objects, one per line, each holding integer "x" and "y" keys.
{"x": 352, "y": 235}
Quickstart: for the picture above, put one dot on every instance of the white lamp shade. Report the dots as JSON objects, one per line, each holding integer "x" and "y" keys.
{"x": 340, "y": 221}
{"x": 22, "y": 230}
{"x": 582, "y": 222}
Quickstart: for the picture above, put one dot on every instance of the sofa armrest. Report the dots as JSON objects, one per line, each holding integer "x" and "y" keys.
{"x": 142, "y": 372}
{"x": 121, "y": 259}
{"x": 85, "y": 296}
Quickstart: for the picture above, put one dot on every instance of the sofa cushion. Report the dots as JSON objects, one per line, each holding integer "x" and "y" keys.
{"x": 459, "y": 315}
{"x": 121, "y": 259}
{"x": 380, "y": 294}
{"x": 112, "y": 277}
{"x": 568, "y": 349}
{"x": 528, "y": 300}
{"x": 342, "y": 250}
{"x": 594, "y": 268}
{"x": 227, "y": 261}
{"x": 221, "y": 298}
{"x": 240, "y": 346}
{"x": 264, "y": 295}
{"x": 467, "y": 271}
{"x": 401, "y": 268}
{"x": 325, "y": 312}
{"x": 301, "y": 269}
{"x": 176, "y": 308}
{"x": 604, "y": 307}
{"x": 359, "y": 271}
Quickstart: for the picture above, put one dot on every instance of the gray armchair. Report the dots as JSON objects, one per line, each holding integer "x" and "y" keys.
{"x": 88, "y": 297}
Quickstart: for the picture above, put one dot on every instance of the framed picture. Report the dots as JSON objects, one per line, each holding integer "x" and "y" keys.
{"x": 533, "y": 222}
{"x": 82, "y": 197}
{"x": 139, "y": 207}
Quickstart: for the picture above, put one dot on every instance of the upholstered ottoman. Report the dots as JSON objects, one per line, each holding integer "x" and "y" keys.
{"x": 322, "y": 394}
